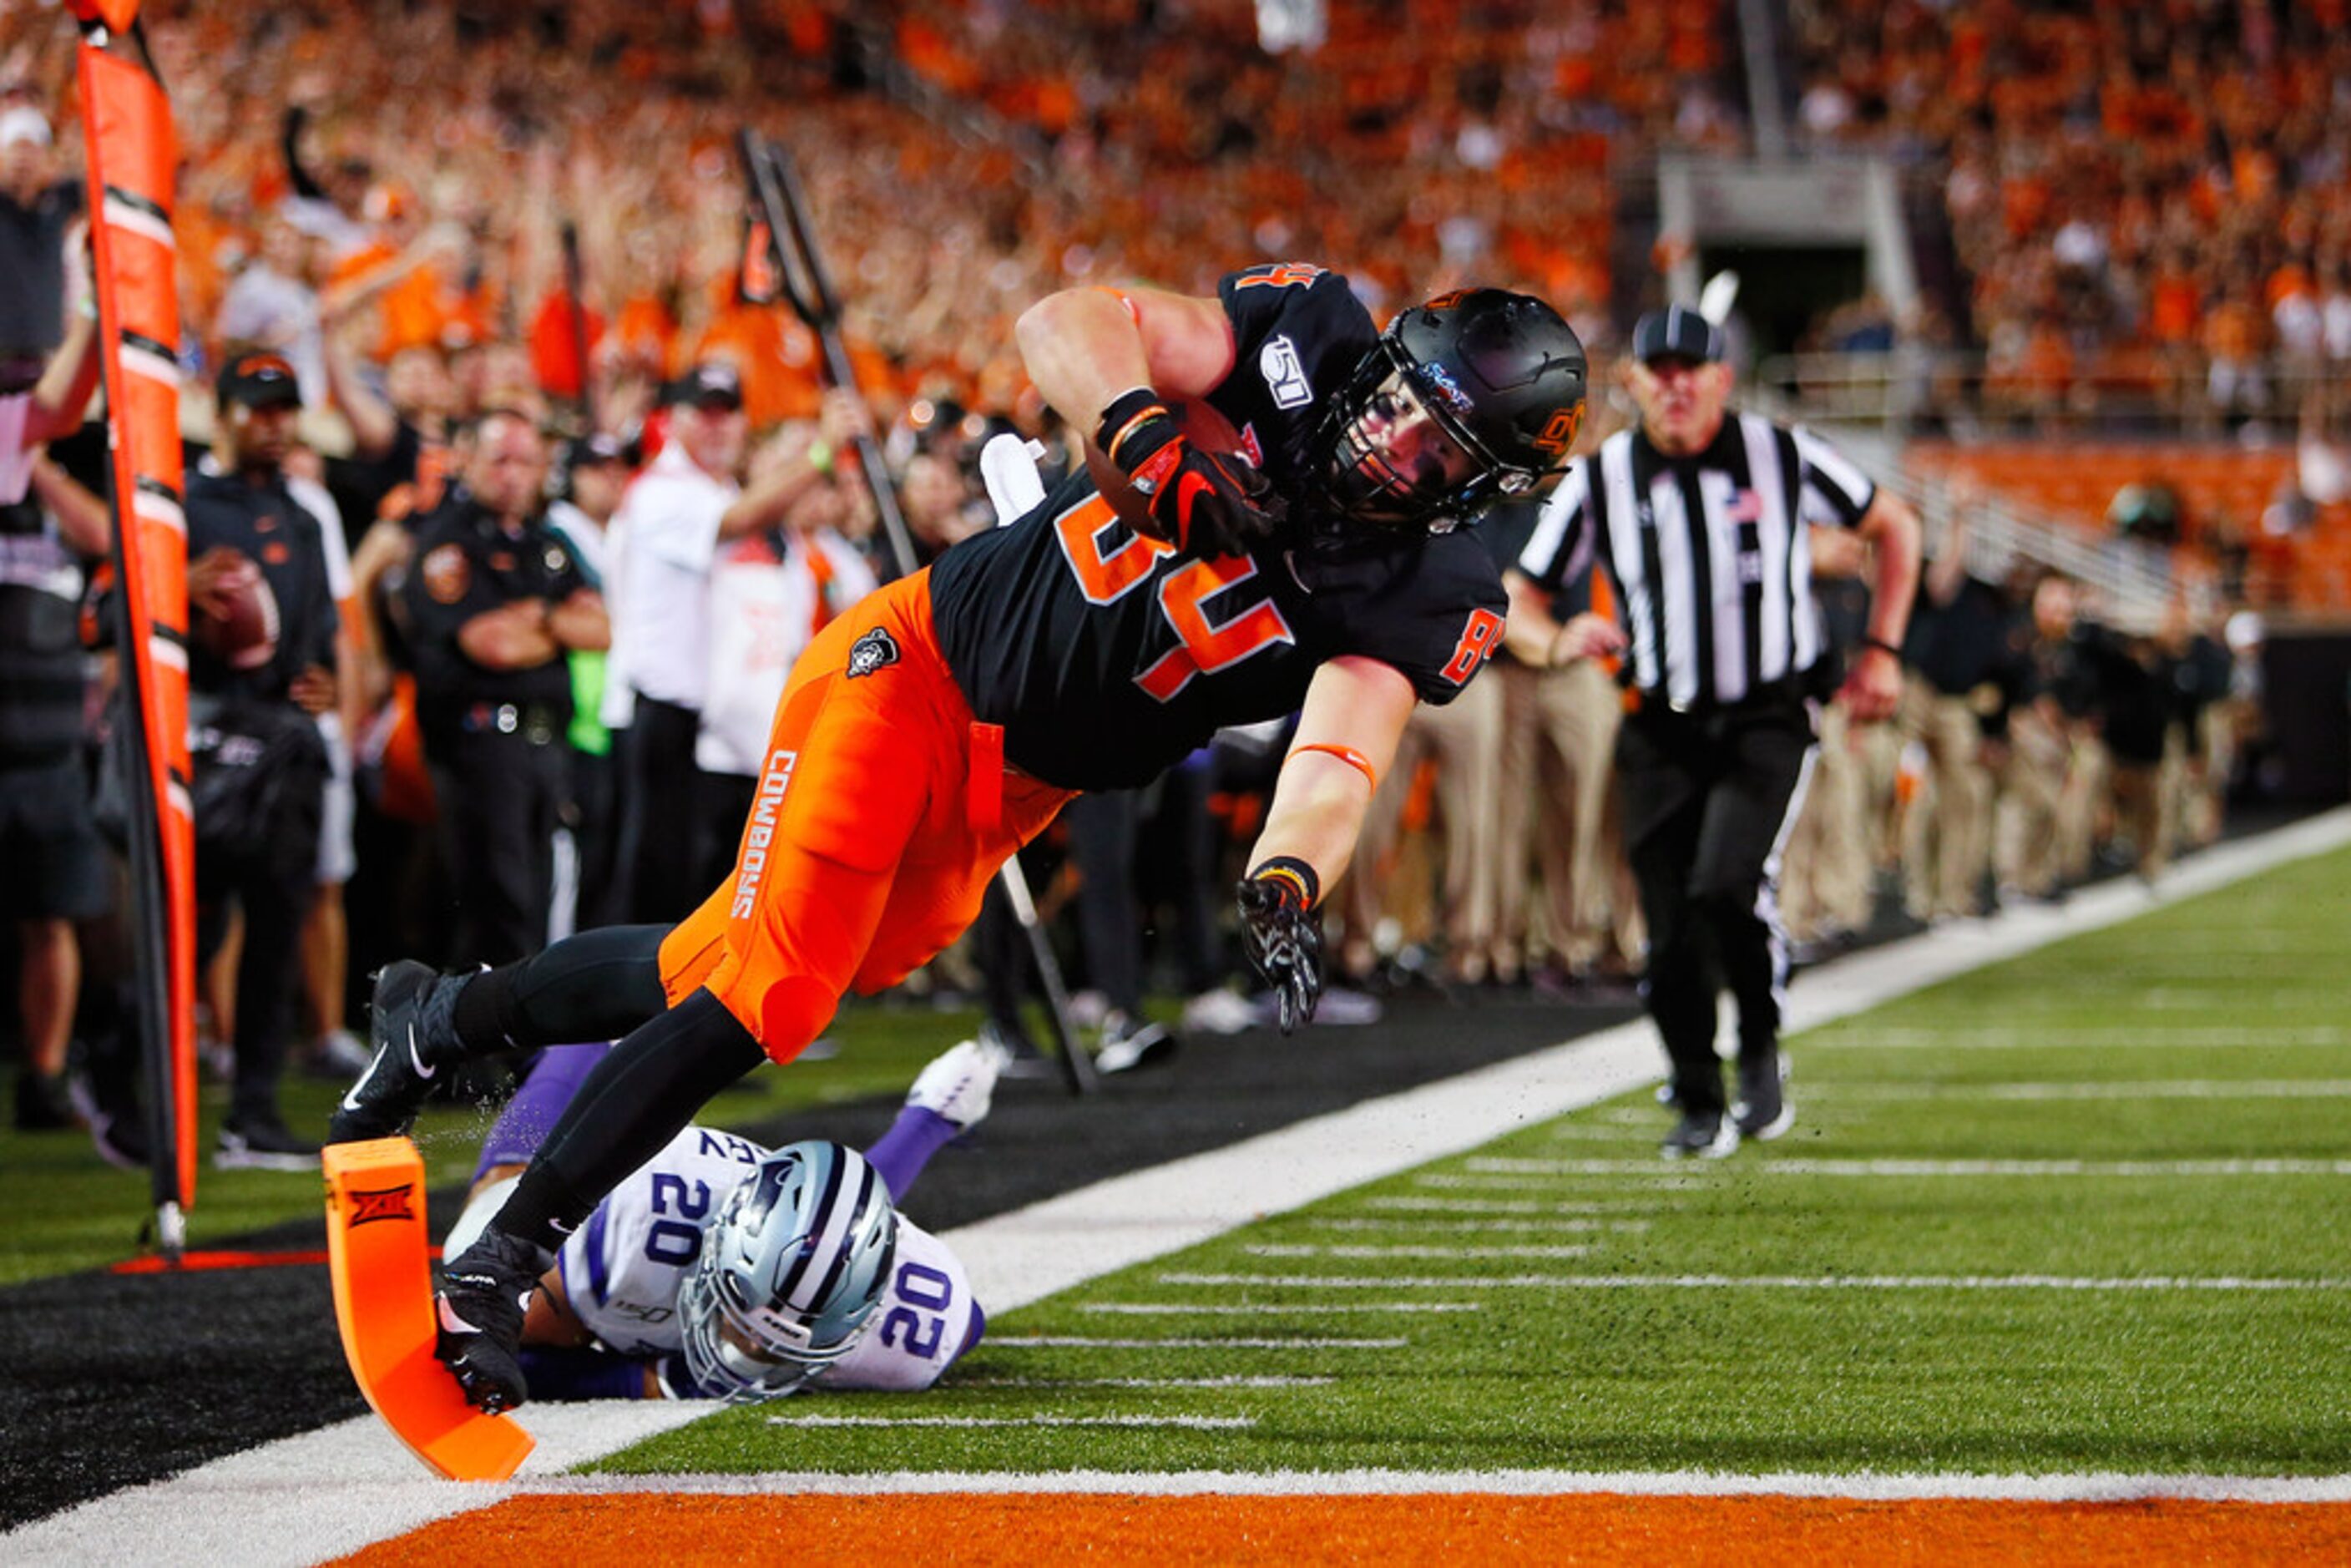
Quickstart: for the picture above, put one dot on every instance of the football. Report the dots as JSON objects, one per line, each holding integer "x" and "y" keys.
{"x": 1209, "y": 431}
{"x": 239, "y": 625}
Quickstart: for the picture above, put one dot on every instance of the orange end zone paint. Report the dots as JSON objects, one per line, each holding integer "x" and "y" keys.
{"x": 634, "y": 1528}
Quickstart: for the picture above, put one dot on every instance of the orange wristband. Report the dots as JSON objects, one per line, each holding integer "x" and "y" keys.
{"x": 1346, "y": 753}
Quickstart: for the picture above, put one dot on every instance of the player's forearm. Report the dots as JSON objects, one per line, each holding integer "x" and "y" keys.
{"x": 1318, "y": 804}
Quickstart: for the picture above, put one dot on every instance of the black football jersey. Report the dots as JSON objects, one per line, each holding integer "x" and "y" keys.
{"x": 1107, "y": 656}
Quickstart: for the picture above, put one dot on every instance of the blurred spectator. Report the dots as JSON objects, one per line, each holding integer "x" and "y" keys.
{"x": 590, "y": 477}
{"x": 37, "y": 210}
{"x": 1955, "y": 701}
{"x": 274, "y": 304}
{"x": 495, "y": 603}
{"x": 49, "y": 527}
{"x": 1827, "y": 895}
{"x": 2049, "y": 705}
{"x": 772, "y": 589}
{"x": 665, "y": 537}
{"x": 332, "y": 1050}
{"x": 261, "y": 766}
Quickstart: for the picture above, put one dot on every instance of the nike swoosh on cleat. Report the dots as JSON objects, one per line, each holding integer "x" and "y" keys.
{"x": 421, "y": 1071}
{"x": 450, "y": 1321}
{"x": 351, "y": 1095}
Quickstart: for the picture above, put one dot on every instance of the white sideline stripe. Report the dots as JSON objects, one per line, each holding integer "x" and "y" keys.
{"x": 1668, "y": 1177}
{"x": 1456, "y": 1207}
{"x": 2152, "y": 1089}
{"x": 1264, "y": 1309}
{"x": 1087, "y": 1342}
{"x": 1190, "y": 1423}
{"x": 1282, "y": 1381}
{"x": 1868, "y": 1487}
{"x": 2006, "y": 1037}
{"x": 1755, "y": 1283}
{"x": 1310, "y": 1250}
{"x": 1399, "y": 1222}
{"x": 1532, "y": 1170}
{"x": 245, "y": 1510}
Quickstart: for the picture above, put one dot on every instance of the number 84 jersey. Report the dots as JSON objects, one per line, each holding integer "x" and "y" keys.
{"x": 623, "y": 1268}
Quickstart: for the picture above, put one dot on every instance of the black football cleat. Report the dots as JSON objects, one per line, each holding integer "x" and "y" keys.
{"x": 479, "y": 1309}
{"x": 1763, "y": 1112}
{"x": 1700, "y": 1137}
{"x": 403, "y": 1020}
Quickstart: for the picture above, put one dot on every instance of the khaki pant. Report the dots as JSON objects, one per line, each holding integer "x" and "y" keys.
{"x": 1560, "y": 819}
{"x": 1825, "y": 878}
{"x": 2085, "y": 807}
{"x": 2025, "y": 849}
{"x": 1465, "y": 739}
{"x": 1947, "y": 833}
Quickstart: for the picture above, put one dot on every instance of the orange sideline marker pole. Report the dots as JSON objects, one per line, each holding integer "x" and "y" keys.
{"x": 377, "y": 1254}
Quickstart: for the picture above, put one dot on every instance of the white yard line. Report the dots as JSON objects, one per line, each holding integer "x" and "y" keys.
{"x": 1264, "y": 1310}
{"x": 1189, "y": 1423}
{"x": 1347, "y": 1250}
{"x": 2100, "y": 1038}
{"x": 2141, "y": 1089}
{"x": 1534, "y": 1172}
{"x": 2223, "y": 1283}
{"x": 1215, "y": 1343}
{"x": 326, "y": 1493}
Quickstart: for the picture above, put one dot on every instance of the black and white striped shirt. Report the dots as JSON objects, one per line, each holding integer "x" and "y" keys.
{"x": 1707, "y": 553}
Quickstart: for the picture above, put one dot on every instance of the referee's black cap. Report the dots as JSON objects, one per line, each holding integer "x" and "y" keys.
{"x": 1676, "y": 333}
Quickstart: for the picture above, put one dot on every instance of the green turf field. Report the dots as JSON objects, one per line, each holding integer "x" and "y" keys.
{"x": 2078, "y": 1212}
{"x": 67, "y": 1210}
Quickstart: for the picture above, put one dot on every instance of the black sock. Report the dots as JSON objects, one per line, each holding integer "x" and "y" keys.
{"x": 638, "y": 1098}
{"x": 598, "y": 985}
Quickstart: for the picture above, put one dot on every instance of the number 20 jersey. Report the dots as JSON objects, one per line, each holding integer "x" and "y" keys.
{"x": 1107, "y": 656}
{"x": 622, "y": 1271}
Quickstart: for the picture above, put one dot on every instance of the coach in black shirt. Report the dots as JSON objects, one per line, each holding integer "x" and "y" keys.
{"x": 1699, "y": 519}
{"x": 496, "y": 604}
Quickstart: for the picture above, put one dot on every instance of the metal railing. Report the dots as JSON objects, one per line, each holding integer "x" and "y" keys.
{"x": 1962, "y": 392}
{"x": 2134, "y": 584}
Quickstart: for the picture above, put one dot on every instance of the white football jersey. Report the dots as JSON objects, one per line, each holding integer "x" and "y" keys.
{"x": 623, "y": 1268}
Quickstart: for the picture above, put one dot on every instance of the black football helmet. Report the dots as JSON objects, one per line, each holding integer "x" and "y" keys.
{"x": 1501, "y": 373}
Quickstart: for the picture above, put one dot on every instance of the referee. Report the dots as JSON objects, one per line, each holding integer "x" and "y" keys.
{"x": 1699, "y": 518}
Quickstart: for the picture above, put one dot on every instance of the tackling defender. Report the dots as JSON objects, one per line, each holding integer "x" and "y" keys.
{"x": 722, "y": 1270}
{"x": 1167, "y": 588}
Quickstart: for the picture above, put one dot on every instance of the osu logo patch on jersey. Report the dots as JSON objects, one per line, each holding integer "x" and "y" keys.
{"x": 446, "y": 573}
{"x": 872, "y": 652}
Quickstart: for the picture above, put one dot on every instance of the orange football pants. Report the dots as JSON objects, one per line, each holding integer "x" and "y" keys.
{"x": 884, "y": 810}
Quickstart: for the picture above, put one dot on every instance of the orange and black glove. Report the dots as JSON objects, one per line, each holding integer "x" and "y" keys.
{"x": 1282, "y": 934}
{"x": 1203, "y": 503}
